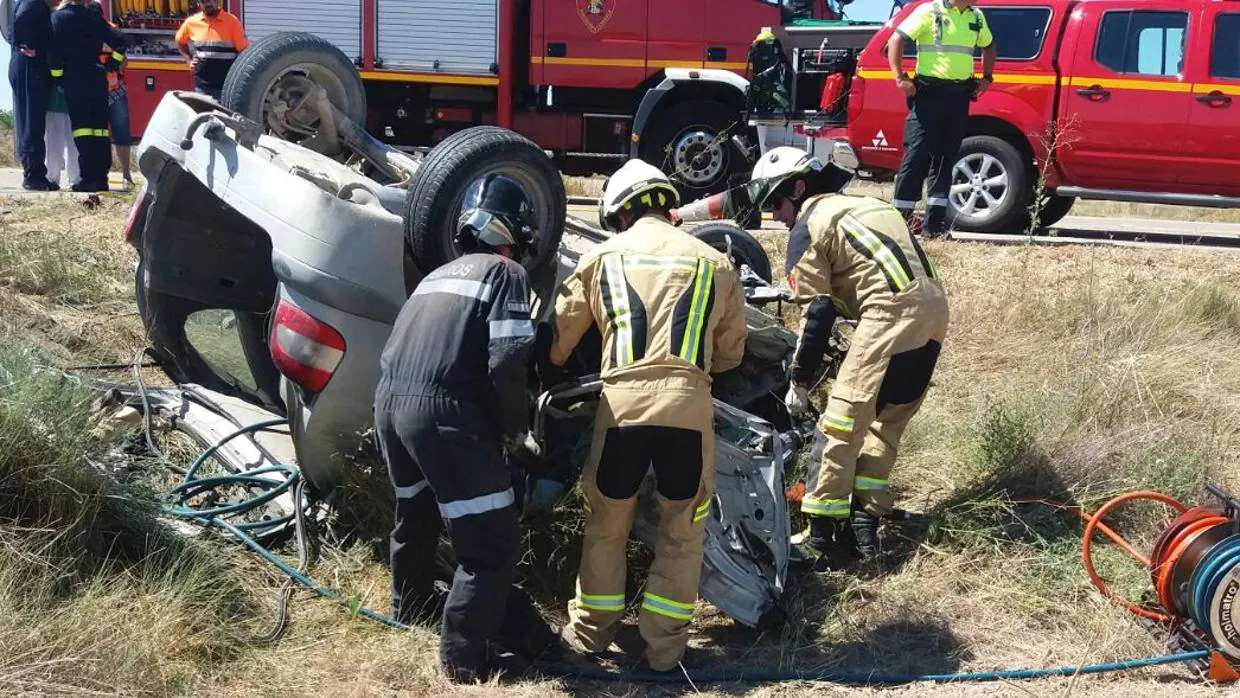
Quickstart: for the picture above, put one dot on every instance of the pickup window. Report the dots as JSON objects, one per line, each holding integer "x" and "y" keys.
{"x": 1225, "y": 58}
{"x": 1019, "y": 32}
{"x": 1142, "y": 42}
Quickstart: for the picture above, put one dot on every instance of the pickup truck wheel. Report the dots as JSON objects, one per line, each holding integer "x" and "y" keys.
{"x": 1053, "y": 208}
{"x": 277, "y": 68}
{"x": 745, "y": 247}
{"x": 451, "y": 170}
{"x": 990, "y": 186}
{"x": 691, "y": 142}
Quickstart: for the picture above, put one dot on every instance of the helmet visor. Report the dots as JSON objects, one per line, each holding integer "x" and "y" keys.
{"x": 487, "y": 228}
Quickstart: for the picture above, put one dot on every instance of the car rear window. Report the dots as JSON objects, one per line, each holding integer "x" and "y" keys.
{"x": 1019, "y": 32}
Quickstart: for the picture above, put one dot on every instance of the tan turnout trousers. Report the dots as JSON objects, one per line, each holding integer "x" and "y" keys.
{"x": 862, "y": 256}
{"x": 671, "y": 311}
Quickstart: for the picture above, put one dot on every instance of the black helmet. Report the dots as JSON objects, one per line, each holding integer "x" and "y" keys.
{"x": 499, "y": 213}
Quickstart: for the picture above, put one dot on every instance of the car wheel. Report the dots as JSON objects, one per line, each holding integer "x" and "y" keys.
{"x": 450, "y": 172}
{"x": 283, "y": 67}
{"x": 687, "y": 144}
{"x": 990, "y": 186}
{"x": 745, "y": 247}
{"x": 1052, "y": 209}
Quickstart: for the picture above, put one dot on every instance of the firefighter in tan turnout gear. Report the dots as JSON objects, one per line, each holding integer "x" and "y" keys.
{"x": 671, "y": 312}
{"x": 852, "y": 256}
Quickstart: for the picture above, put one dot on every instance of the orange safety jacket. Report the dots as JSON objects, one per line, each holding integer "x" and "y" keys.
{"x": 116, "y": 78}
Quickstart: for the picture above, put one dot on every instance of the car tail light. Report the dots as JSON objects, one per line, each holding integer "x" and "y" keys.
{"x": 139, "y": 203}
{"x": 856, "y": 98}
{"x": 303, "y": 348}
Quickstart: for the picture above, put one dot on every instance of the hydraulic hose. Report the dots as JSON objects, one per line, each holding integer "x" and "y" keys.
{"x": 217, "y": 517}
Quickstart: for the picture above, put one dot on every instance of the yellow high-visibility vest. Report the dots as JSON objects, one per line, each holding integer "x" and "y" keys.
{"x": 945, "y": 38}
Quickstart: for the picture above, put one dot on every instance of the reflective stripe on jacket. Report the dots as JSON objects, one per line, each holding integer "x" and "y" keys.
{"x": 946, "y": 38}
{"x": 465, "y": 334}
{"x": 860, "y": 254}
{"x": 669, "y": 307}
{"x": 215, "y": 41}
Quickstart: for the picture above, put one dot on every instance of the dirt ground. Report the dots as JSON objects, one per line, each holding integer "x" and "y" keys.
{"x": 1069, "y": 373}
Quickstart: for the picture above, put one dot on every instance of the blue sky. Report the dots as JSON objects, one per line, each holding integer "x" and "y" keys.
{"x": 861, "y": 9}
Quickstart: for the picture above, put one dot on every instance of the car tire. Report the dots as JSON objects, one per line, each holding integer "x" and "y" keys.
{"x": 1052, "y": 210}
{"x": 437, "y": 193}
{"x": 253, "y": 75}
{"x": 745, "y": 247}
{"x": 1002, "y": 173}
{"x": 678, "y": 125}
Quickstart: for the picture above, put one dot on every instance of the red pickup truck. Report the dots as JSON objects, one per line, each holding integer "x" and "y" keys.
{"x": 1140, "y": 99}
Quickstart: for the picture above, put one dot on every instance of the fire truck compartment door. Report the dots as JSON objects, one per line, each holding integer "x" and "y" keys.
{"x": 450, "y": 36}
{"x": 337, "y": 21}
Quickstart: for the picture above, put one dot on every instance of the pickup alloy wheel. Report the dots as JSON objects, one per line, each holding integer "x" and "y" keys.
{"x": 990, "y": 189}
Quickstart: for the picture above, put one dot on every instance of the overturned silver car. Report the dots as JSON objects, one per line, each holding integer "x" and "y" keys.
{"x": 272, "y": 271}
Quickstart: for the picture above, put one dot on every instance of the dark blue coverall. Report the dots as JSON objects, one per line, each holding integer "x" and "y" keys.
{"x": 31, "y": 85}
{"x": 77, "y": 35}
{"x": 453, "y": 384}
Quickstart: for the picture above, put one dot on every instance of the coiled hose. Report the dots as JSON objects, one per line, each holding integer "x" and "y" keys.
{"x": 268, "y": 489}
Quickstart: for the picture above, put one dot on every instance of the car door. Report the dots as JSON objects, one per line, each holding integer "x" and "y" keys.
{"x": 1213, "y": 165}
{"x": 1125, "y": 98}
{"x": 593, "y": 43}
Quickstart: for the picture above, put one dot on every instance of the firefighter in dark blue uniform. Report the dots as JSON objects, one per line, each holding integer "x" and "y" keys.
{"x": 452, "y": 396}
{"x": 29, "y": 79}
{"x": 77, "y": 34}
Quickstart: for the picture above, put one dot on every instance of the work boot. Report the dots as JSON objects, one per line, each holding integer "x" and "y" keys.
{"x": 864, "y": 529}
{"x": 828, "y": 545}
{"x": 35, "y": 185}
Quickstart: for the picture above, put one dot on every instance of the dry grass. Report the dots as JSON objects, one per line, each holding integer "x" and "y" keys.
{"x": 1069, "y": 373}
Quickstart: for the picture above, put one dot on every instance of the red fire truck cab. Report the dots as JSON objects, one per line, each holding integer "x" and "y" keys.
{"x": 572, "y": 75}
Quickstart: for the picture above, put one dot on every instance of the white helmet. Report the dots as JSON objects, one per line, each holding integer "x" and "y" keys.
{"x": 637, "y": 181}
{"x": 780, "y": 164}
{"x": 775, "y": 167}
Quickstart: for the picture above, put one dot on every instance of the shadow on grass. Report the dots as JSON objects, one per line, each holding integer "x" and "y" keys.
{"x": 900, "y": 649}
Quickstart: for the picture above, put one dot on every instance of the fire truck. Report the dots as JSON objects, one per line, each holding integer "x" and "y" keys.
{"x": 592, "y": 81}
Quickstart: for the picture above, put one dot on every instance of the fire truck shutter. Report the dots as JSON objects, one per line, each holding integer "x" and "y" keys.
{"x": 451, "y": 36}
{"x": 337, "y": 21}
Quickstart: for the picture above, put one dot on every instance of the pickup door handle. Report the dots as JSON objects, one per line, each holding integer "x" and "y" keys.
{"x": 1094, "y": 92}
{"x": 1214, "y": 99}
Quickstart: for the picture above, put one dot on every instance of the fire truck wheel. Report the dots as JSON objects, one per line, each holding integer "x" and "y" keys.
{"x": 990, "y": 186}
{"x": 455, "y": 167}
{"x": 745, "y": 247}
{"x": 259, "y": 77}
{"x": 691, "y": 142}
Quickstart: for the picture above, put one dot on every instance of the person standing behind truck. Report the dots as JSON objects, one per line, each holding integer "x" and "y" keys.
{"x": 62, "y": 152}
{"x": 118, "y": 105}
{"x": 28, "y": 77}
{"x": 73, "y": 58}
{"x": 210, "y": 41}
{"x": 946, "y": 33}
